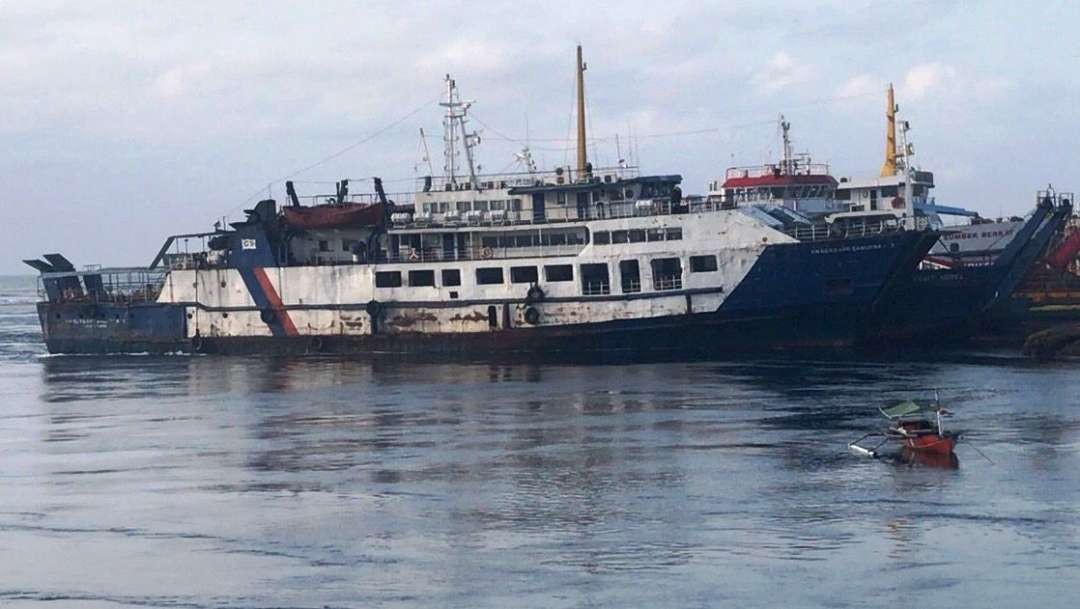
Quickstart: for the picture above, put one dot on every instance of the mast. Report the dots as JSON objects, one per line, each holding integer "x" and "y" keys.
{"x": 889, "y": 167}
{"x": 582, "y": 162}
{"x": 908, "y": 151}
{"x": 454, "y": 121}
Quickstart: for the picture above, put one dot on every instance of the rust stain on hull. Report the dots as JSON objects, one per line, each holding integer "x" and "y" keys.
{"x": 408, "y": 321}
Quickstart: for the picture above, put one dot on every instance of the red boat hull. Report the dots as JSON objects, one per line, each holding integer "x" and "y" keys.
{"x": 931, "y": 443}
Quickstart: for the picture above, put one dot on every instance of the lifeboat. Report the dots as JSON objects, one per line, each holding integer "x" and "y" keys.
{"x": 335, "y": 215}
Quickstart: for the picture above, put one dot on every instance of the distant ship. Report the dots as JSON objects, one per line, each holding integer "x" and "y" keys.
{"x": 579, "y": 259}
{"x": 965, "y": 280}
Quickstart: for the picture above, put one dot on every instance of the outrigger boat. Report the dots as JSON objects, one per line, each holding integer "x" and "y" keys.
{"x": 916, "y": 428}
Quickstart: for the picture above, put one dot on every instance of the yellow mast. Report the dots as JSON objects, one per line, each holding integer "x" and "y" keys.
{"x": 582, "y": 163}
{"x": 889, "y": 167}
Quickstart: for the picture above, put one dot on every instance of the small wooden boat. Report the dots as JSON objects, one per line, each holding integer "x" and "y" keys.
{"x": 915, "y": 427}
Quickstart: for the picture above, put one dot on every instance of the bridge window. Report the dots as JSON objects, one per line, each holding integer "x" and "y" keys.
{"x": 388, "y": 279}
{"x": 421, "y": 279}
{"x": 451, "y": 277}
{"x": 601, "y": 237}
{"x": 620, "y": 236}
{"x": 489, "y": 276}
{"x": 637, "y": 236}
{"x": 702, "y": 264}
{"x": 673, "y": 234}
{"x": 559, "y": 272}
{"x": 654, "y": 234}
{"x": 523, "y": 274}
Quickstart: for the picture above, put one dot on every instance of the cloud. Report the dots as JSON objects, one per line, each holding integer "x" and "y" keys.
{"x": 922, "y": 79}
{"x": 181, "y": 79}
{"x": 860, "y": 85}
{"x": 781, "y": 72}
{"x": 465, "y": 54}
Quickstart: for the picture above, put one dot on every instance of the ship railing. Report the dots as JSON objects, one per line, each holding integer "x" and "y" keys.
{"x": 596, "y": 288}
{"x": 852, "y": 228}
{"x": 398, "y": 198}
{"x": 102, "y": 285}
{"x": 667, "y": 282}
{"x": 438, "y": 254}
{"x": 777, "y": 169}
{"x": 811, "y": 232}
{"x": 630, "y": 286}
{"x": 556, "y": 176}
{"x": 554, "y": 214}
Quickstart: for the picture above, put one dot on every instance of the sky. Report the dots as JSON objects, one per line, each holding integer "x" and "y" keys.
{"x": 124, "y": 122}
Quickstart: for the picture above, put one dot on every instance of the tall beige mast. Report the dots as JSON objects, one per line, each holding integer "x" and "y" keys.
{"x": 888, "y": 168}
{"x": 582, "y": 162}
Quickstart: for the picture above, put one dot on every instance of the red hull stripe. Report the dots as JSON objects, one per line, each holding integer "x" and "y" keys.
{"x": 275, "y": 301}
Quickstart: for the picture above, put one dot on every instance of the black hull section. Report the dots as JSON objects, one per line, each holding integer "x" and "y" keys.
{"x": 952, "y": 306}
{"x": 702, "y": 333}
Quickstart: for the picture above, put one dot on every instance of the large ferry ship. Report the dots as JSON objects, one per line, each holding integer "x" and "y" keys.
{"x": 577, "y": 259}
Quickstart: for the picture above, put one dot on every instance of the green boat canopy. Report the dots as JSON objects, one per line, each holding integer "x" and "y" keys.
{"x": 903, "y": 409}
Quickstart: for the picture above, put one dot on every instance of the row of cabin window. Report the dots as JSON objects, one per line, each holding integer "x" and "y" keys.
{"x": 603, "y": 237}
{"x": 553, "y": 273}
{"x": 442, "y": 207}
{"x": 532, "y": 239}
{"x": 544, "y": 239}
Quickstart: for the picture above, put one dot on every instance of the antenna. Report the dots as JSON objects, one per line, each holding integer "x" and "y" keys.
{"x": 427, "y": 153}
{"x": 786, "y": 142}
{"x": 525, "y": 158}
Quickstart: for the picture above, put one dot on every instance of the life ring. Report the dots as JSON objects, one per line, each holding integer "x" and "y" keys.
{"x": 485, "y": 253}
{"x": 267, "y": 316}
{"x": 535, "y": 294}
{"x": 373, "y": 308}
{"x": 413, "y": 254}
{"x": 532, "y": 316}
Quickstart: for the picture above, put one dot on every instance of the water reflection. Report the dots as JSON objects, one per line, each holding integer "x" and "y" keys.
{"x": 365, "y": 481}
